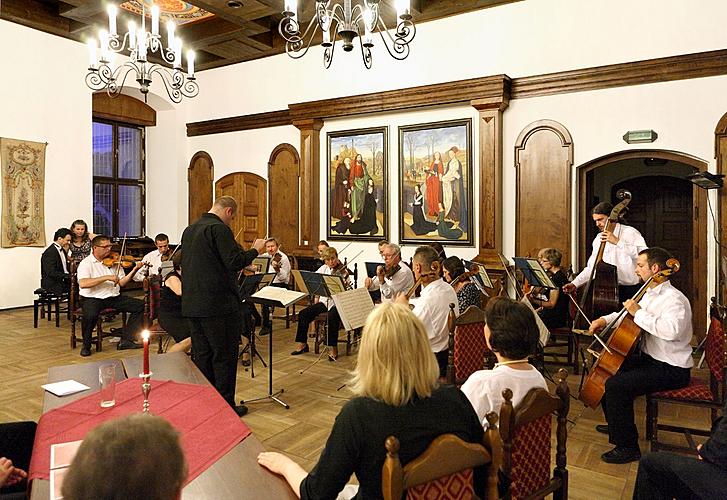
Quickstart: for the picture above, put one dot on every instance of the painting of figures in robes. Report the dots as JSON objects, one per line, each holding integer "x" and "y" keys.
{"x": 436, "y": 182}
{"x": 357, "y": 184}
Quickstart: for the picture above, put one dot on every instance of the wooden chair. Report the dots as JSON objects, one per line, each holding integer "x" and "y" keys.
{"x": 444, "y": 470}
{"x": 152, "y": 285}
{"x": 564, "y": 337}
{"x": 699, "y": 393}
{"x": 526, "y": 443}
{"x": 48, "y": 304}
{"x": 468, "y": 351}
{"x": 76, "y": 311}
{"x": 320, "y": 330}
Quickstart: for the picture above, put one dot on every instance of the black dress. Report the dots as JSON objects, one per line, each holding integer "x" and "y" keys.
{"x": 421, "y": 224}
{"x": 559, "y": 315}
{"x": 367, "y": 222}
{"x": 445, "y": 229}
{"x": 468, "y": 295}
{"x": 170, "y": 312}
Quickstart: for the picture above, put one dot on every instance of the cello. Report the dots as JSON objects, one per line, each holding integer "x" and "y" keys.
{"x": 600, "y": 297}
{"x": 621, "y": 341}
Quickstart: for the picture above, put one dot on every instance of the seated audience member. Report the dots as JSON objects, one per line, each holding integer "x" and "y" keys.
{"x": 512, "y": 334}
{"x": 54, "y": 266}
{"x": 308, "y": 315}
{"x": 155, "y": 258}
{"x": 99, "y": 289}
{"x": 170, "y": 308}
{"x": 393, "y": 277}
{"x": 553, "y": 306}
{"x": 432, "y": 306}
{"x": 16, "y": 448}
{"x": 138, "y": 456}
{"x": 80, "y": 241}
{"x": 663, "y": 476}
{"x": 280, "y": 265}
{"x": 467, "y": 292}
{"x": 396, "y": 393}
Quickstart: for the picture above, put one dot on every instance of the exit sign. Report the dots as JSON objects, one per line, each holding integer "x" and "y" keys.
{"x": 640, "y": 136}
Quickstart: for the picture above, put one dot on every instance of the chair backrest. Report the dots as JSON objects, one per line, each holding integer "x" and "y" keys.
{"x": 469, "y": 347}
{"x": 715, "y": 349}
{"x": 444, "y": 470}
{"x": 526, "y": 442}
{"x": 152, "y": 299}
{"x": 73, "y": 300}
{"x": 293, "y": 265}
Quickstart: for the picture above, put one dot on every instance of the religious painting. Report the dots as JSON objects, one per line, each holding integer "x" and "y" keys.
{"x": 23, "y": 183}
{"x": 436, "y": 182}
{"x": 357, "y": 193}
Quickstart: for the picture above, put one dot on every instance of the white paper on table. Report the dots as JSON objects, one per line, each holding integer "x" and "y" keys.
{"x": 65, "y": 387}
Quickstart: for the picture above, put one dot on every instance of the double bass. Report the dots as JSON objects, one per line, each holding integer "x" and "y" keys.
{"x": 617, "y": 341}
{"x": 600, "y": 296}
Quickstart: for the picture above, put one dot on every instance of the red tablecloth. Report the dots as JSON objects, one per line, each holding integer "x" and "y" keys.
{"x": 209, "y": 428}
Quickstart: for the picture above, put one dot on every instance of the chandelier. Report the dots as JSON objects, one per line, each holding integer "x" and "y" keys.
{"x": 348, "y": 23}
{"x": 140, "y": 44}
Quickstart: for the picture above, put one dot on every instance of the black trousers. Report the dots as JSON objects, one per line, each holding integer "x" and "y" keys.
{"x": 92, "y": 308}
{"x": 663, "y": 476}
{"x": 266, "y": 309}
{"x": 442, "y": 359}
{"x": 640, "y": 374}
{"x": 308, "y": 315}
{"x": 215, "y": 342}
{"x": 16, "y": 444}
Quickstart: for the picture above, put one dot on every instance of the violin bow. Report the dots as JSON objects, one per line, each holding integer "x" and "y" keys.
{"x": 123, "y": 249}
{"x": 575, "y": 302}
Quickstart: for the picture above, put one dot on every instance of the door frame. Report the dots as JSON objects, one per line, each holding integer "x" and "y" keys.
{"x": 195, "y": 157}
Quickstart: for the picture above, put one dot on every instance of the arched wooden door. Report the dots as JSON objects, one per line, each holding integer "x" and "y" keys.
{"x": 200, "y": 174}
{"x": 284, "y": 213}
{"x": 250, "y": 191}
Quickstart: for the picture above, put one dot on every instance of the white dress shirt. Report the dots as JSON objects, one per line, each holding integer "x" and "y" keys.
{"x": 155, "y": 259}
{"x": 283, "y": 275}
{"x": 90, "y": 267}
{"x": 402, "y": 281}
{"x": 667, "y": 317}
{"x": 484, "y": 387}
{"x": 64, "y": 257}
{"x": 622, "y": 255}
{"x": 432, "y": 307}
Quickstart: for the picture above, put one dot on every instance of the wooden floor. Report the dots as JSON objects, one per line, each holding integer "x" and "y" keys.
{"x": 315, "y": 398}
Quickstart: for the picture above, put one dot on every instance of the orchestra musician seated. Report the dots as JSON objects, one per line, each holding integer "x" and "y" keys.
{"x": 54, "y": 272}
{"x": 280, "y": 264}
{"x": 432, "y": 306}
{"x": 663, "y": 362}
{"x": 170, "y": 308}
{"x": 155, "y": 258}
{"x": 332, "y": 265}
{"x": 393, "y": 277}
{"x": 99, "y": 288}
{"x": 552, "y": 305}
{"x": 455, "y": 274}
{"x": 395, "y": 393}
{"x": 512, "y": 334}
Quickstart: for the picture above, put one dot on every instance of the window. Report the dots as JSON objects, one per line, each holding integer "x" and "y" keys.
{"x": 118, "y": 179}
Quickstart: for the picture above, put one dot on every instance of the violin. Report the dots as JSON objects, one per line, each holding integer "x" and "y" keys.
{"x": 474, "y": 271}
{"x": 388, "y": 273}
{"x": 420, "y": 281}
{"x": 125, "y": 261}
{"x": 344, "y": 272}
{"x": 276, "y": 261}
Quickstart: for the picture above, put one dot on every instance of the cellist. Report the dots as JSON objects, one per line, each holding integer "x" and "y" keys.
{"x": 623, "y": 244}
{"x": 663, "y": 361}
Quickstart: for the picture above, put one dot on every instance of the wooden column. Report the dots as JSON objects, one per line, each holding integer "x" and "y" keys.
{"x": 310, "y": 168}
{"x": 720, "y": 154}
{"x": 490, "y": 162}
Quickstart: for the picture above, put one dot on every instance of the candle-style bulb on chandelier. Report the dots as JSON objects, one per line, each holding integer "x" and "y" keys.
{"x": 347, "y": 23}
{"x": 140, "y": 44}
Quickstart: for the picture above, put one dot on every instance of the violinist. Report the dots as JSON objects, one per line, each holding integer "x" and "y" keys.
{"x": 393, "y": 277}
{"x": 332, "y": 265}
{"x": 552, "y": 305}
{"x": 455, "y": 274}
{"x": 155, "y": 258}
{"x": 623, "y": 244}
{"x": 99, "y": 287}
{"x": 54, "y": 266}
{"x": 280, "y": 264}
{"x": 663, "y": 362}
{"x": 432, "y": 306}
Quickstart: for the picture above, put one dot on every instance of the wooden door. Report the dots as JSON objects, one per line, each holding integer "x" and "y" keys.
{"x": 199, "y": 178}
{"x": 284, "y": 213}
{"x": 250, "y": 191}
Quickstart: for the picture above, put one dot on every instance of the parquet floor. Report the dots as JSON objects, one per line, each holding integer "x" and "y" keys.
{"x": 313, "y": 391}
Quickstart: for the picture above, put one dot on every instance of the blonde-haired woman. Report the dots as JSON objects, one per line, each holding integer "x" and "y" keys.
{"x": 395, "y": 393}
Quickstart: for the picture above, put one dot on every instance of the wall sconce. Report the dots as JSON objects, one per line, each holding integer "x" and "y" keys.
{"x": 705, "y": 180}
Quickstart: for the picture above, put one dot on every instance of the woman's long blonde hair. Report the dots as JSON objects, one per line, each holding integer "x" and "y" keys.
{"x": 395, "y": 362}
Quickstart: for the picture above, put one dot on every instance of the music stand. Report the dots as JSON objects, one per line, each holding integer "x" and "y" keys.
{"x": 249, "y": 285}
{"x": 371, "y": 268}
{"x": 534, "y": 272}
{"x": 481, "y": 279}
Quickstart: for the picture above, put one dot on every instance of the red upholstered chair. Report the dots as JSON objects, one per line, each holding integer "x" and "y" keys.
{"x": 152, "y": 300}
{"x": 526, "y": 443}
{"x": 76, "y": 313}
{"x": 443, "y": 471}
{"x": 700, "y": 393}
{"x": 468, "y": 351}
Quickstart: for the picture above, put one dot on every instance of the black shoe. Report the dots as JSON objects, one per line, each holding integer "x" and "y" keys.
{"x": 621, "y": 455}
{"x": 245, "y": 362}
{"x": 265, "y": 330}
{"x": 305, "y": 349}
{"x": 241, "y": 410}
{"x": 603, "y": 429}
{"x": 85, "y": 351}
{"x": 127, "y": 344}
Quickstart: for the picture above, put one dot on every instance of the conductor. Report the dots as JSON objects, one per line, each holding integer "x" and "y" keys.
{"x": 211, "y": 260}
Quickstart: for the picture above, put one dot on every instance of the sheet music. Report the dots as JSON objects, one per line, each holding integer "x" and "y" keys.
{"x": 334, "y": 284}
{"x": 353, "y": 307}
{"x": 544, "y": 332}
{"x": 282, "y": 295}
{"x": 299, "y": 282}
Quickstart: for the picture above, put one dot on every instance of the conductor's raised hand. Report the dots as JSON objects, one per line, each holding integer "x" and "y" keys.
{"x": 259, "y": 245}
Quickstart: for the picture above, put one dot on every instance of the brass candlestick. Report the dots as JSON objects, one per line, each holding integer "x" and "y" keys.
{"x": 145, "y": 390}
